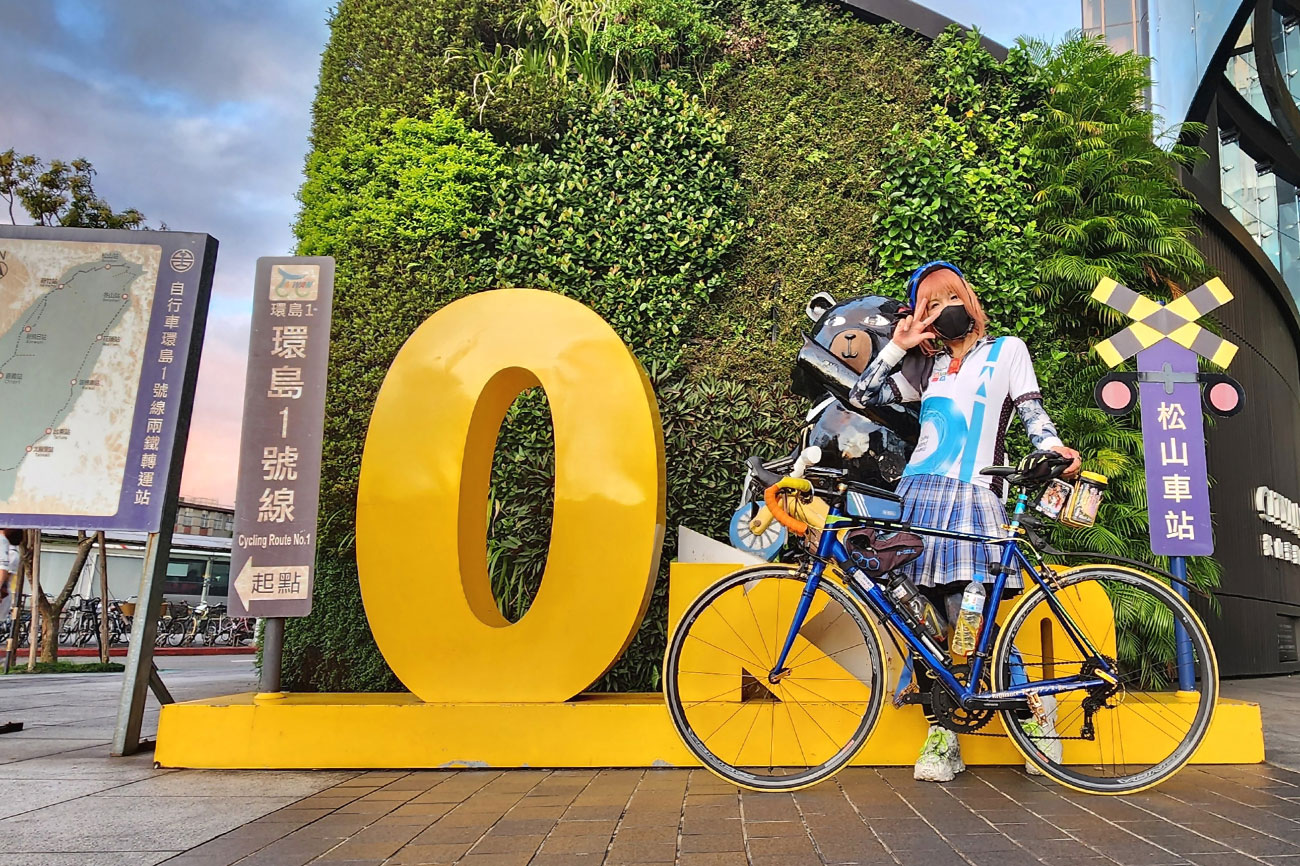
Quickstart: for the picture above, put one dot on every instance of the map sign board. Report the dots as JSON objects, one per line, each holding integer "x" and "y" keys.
{"x": 280, "y": 449}
{"x": 100, "y": 333}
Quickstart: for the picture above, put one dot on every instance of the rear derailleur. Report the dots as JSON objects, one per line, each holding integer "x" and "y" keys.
{"x": 1098, "y": 697}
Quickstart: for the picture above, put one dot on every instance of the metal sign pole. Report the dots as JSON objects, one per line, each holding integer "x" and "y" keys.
{"x": 34, "y": 629}
{"x": 1182, "y": 642}
{"x": 103, "y": 598}
{"x": 272, "y": 655}
{"x": 140, "y": 672}
{"x": 139, "y": 658}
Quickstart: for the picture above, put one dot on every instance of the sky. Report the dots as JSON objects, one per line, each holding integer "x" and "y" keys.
{"x": 1004, "y": 20}
{"x": 197, "y": 112}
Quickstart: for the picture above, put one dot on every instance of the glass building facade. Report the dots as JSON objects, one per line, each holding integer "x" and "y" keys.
{"x": 1261, "y": 199}
{"x": 1125, "y": 23}
{"x": 1234, "y": 66}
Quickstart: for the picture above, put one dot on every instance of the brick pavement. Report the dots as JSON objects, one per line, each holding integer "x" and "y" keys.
{"x": 1208, "y": 816}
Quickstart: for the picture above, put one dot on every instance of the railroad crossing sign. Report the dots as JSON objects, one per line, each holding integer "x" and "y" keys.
{"x": 1166, "y": 340}
{"x": 1153, "y": 322}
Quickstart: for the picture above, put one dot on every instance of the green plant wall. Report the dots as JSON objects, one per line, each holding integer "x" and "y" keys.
{"x": 695, "y": 172}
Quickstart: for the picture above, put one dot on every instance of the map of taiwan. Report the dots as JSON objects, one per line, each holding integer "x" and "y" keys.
{"x": 73, "y": 327}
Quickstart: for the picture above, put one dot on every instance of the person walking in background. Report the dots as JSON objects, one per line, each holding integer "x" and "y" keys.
{"x": 10, "y": 539}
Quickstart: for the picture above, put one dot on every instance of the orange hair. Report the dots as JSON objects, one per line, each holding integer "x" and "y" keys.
{"x": 939, "y": 283}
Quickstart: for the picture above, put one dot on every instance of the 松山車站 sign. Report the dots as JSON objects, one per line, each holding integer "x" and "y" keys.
{"x": 1167, "y": 340}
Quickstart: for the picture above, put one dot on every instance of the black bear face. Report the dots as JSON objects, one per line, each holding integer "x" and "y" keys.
{"x": 874, "y": 449}
{"x": 854, "y": 330}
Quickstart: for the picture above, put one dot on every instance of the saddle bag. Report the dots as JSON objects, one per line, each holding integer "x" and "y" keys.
{"x": 877, "y": 552}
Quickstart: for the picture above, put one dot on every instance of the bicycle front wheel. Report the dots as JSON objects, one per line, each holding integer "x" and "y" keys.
{"x": 773, "y": 733}
{"x": 1144, "y": 728}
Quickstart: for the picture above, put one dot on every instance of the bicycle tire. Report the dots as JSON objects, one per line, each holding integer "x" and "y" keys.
{"x": 1155, "y": 715}
{"x": 752, "y": 688}
{"x": 176, "y": 632}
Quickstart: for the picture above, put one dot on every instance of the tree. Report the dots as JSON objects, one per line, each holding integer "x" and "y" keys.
{"x": 50, "y": 611}
{"x": 59, "y": 194}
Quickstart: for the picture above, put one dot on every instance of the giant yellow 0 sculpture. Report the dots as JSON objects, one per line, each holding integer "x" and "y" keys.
{"x": 484, "y": 691}
{"x": 424, "y": 480}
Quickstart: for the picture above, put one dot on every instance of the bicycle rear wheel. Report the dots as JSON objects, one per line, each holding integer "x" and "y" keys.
{"x": 1146, "y": 728}
{"x": 770, "y": 735}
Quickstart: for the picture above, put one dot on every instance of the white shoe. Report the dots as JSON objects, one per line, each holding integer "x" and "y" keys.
{"x": 940, "y": 757}
{"x": 1051, "y": 748}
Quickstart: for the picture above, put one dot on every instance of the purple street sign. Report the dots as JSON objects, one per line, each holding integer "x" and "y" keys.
{"x": 277, "y": 497}
{"x": 1173, "y": 436}
{"x": 100, "y": 334}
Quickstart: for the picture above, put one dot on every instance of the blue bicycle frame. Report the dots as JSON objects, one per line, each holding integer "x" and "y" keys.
{"x": 873, "y": 596}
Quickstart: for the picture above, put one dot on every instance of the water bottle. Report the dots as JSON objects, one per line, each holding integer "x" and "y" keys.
{"x": 919, "y": 611}
{"x": 966, "y": 631}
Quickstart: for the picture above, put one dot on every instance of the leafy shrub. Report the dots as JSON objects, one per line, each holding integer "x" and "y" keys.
{"x": 406, "y": 55}
{"x": 1110, "y": 205}
{"x": 695, "y": 172}
{"x": 389, "y": 201}
{"x": 631, "y": 209}
{"x": 810, "y": 132}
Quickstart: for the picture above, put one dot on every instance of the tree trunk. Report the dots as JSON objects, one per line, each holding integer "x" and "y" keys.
{"x": 49, "y": 628}
{"x": 52, "y": 611}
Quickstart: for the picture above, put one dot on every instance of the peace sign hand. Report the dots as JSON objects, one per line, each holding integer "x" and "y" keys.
{"x": 912, "y": 332}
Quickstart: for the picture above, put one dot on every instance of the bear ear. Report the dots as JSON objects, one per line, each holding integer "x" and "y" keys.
{"x": 820, "y": 303}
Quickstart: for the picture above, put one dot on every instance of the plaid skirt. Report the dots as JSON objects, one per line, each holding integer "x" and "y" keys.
{"x": 946, "y": 503}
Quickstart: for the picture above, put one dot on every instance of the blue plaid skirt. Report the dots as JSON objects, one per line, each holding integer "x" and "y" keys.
{"x": 946, "y": 503}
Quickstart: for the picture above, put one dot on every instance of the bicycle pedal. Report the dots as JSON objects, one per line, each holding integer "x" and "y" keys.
{"x": 1037, "y": 708}
{"x": 906, "y": 696}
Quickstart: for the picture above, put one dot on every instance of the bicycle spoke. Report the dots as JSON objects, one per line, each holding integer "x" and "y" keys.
{"x": 758, "y": 709}
{"x": 835, "y": 691}
{"x": 1146, "y": 728}
{"x": 728, "y": 624}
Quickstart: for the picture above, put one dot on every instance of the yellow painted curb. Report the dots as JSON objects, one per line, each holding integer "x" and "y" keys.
{"x": 345, "y": 731}
{"x": 338, "y": 731}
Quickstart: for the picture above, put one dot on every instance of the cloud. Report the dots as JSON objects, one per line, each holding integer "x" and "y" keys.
{"x": 213, "y": 449}
{"x": 197, "y": 114}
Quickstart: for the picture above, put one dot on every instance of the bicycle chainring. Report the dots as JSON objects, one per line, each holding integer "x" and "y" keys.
{"x": 950, "y": 714}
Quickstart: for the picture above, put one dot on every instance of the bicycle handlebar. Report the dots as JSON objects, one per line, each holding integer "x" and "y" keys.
{"x": 799, "y": 485}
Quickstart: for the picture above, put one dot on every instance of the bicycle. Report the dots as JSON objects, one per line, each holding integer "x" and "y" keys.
{"x": 797, "y": 648}
{"x": 230, "y": 630}
{"x": 173, "y": 621}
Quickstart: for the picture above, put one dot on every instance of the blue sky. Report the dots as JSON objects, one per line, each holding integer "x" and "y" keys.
{"x": 197, "y": 114}
{"x": 1004, "y": 20}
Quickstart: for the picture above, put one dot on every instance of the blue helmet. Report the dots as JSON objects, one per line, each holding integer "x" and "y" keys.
{"x": 914, "y": 283}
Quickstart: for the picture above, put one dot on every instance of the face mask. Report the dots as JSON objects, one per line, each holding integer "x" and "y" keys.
{"x": 953, "y": 323}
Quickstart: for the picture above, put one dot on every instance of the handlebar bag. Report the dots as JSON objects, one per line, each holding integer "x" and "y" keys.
{"x": 877, "y": 553}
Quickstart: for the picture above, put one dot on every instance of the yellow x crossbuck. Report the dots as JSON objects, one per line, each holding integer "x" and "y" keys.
{"x": 1153, "y": 322}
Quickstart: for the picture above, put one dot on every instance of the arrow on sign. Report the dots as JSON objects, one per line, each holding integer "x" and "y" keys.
{"x": 271, "y": 582}
{"x": 1174, "y": 321}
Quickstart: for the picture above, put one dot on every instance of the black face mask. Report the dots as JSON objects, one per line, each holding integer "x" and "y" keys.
{"x": 953, "y": 323}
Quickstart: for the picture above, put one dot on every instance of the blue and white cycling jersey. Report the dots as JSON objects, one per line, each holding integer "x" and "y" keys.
{"x": 965, "y": 408}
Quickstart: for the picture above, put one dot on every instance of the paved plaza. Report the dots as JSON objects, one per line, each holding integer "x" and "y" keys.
{"x": 66, "y": 802}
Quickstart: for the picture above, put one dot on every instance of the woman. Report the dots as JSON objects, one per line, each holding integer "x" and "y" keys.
{"x": 967, "y": 391}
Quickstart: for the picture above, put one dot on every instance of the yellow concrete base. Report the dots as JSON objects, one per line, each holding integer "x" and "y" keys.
{"x": 348, "y": 731}
{"x": 284, "y": 731}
